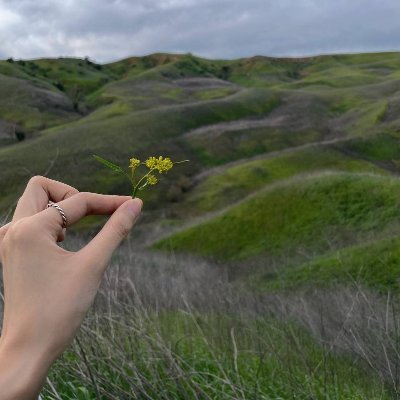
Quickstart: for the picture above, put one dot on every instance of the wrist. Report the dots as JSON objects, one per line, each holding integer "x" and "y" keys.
{"x": 23, "y": 371}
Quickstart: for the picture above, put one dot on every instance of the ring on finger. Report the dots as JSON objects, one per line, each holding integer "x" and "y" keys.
{"x": 61, "y": 211}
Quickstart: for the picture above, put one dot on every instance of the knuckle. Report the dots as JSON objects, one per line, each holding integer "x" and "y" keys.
{"x": 83, "y": 196}
{"x": 84, "y": 199}
{"x": 36, "y": 180}
{"x": 71, "y": 192}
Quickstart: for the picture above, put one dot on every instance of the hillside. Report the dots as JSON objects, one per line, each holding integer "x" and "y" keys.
{"x": 266, "y": 267}
{"x": 290, "y": 158}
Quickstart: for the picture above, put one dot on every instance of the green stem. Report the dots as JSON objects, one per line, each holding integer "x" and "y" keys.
{"x": 136, "y": 187}
{"x": 133, "y": 176}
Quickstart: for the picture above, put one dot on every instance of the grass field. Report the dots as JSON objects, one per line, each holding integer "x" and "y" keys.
{"x": 224, "y": 186}
{"x": 375, "y": 265}
{"x": 312, "y": 213}
{"x": 161, "y": 332}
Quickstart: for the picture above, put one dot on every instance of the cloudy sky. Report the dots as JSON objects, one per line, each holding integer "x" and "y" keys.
{"x": 107, "y": 30}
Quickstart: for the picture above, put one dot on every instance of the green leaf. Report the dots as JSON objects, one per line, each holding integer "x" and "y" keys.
{"x": 109, "y": 164}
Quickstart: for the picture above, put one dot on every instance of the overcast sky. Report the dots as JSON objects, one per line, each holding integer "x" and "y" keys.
{"x": 107, "y": 30}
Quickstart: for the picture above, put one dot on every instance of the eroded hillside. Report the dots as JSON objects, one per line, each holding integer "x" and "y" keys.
{"x": 291, "y": 159}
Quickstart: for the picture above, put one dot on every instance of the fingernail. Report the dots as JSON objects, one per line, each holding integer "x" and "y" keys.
{"x": 134, "y": 207}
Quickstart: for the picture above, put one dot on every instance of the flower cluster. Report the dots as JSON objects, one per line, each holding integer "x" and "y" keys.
{"x": 134, "y": 163}
{"x": 154, "y": 165}
{"x": 161, "y": 164}
{"x": 152, "y": 180}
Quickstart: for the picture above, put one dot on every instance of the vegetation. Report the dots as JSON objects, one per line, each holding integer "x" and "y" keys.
{"x": 199, "y": 339}
{"x": 309, "y": 213}
{"x": 232, "y": 183}
{"x": 287, "y": 213}
{"x": 375, "y": 265}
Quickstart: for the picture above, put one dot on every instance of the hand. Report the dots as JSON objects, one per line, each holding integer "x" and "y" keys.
{"x": 48, "y": 290}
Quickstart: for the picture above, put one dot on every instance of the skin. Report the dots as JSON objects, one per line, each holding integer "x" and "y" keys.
{"x": 48, "y": 290}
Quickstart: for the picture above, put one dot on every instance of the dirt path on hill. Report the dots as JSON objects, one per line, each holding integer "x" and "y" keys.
{"x": 220, "y": 168}
{"x": 241, "y": 124}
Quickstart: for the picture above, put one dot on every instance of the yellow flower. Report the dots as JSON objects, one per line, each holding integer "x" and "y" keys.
{"x": 134, "y": 163}
{"x": 154, "y": 164}
{"x": 164, "y": 165}
{"x": 152, "y": 180}
{"x": 151, "y": 162}
{"x": 161, "y": 164}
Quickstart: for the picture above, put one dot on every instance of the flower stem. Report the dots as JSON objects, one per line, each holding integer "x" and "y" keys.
{"x": 136, "y": 187}
{"x": 133, "y": 176}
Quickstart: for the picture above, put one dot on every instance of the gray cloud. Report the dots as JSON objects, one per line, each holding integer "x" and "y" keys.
{"x": 107, "y": 30}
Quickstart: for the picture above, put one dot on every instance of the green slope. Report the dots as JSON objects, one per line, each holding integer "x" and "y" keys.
{"x": 224, "y": 186}
{"x": 372, "y": 264}
{"x": 32, "y": 107}
{"x": 308, "y": 215}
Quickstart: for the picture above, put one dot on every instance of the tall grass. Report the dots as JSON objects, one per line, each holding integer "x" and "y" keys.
{"x": 166, "y": 327}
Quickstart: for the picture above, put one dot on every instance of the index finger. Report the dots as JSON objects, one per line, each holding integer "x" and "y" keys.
{"x": 37, "y": 194}
{"x": 77, "y": 207}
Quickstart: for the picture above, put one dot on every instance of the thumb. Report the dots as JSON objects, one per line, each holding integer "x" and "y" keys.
{"x": 99, "y": 251}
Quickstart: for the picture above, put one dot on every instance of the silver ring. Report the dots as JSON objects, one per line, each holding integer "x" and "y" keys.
{"x": 60, "y": 210}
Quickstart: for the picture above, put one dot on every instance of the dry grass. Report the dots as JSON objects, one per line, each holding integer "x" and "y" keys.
{"x": 178, "y": 328}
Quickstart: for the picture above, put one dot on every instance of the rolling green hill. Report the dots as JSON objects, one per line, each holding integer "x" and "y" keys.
{"x": 289, "y": 157}
{"x": 256, "y": 261}
{"x": 373, "y": 264}
{"x": 312, "y": 214}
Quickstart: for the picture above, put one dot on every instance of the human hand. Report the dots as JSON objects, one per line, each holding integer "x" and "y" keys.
{"x": 48, "y": 290}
